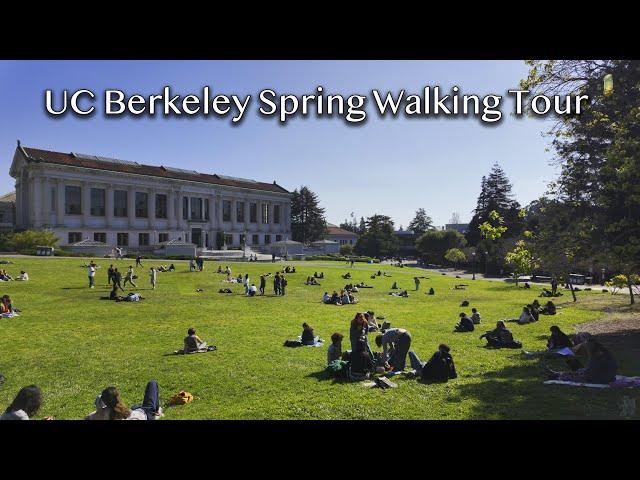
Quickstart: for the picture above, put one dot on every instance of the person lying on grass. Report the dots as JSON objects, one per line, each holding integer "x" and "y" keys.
{"x": 439, "y": 368}
{"x": 465, "y": 324}
{"x": 397, "y": 341}
{"x": 130, "y": 297}
{"x": 109, "y": 405}
{"x": 25, "y": 405}
{"x": 312, "y": 281}
{"x": 601, "y": 366}
{"x": 334, "y": 352}
{"x": 500, "y": 337}
{"x": 403, "y": 293}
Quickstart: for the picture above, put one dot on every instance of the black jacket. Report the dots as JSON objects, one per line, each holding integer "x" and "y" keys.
{"x": 439, "y": 368}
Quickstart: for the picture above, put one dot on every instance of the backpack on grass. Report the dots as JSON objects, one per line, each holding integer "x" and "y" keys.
{"x": 181, "y": 398}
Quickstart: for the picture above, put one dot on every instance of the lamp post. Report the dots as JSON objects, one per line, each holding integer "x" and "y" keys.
{"x": 473, "y": 257}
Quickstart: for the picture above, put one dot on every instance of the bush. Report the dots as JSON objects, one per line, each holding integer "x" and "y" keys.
{"x": 620, "y": 281}
{"x": 346, "y": 249}
{"x": 61, "y": 252}
{"x": 341, "y": 258}
{"x": 28, "y": 240}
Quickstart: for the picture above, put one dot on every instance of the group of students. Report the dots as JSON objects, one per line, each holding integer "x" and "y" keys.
{"x": 108, "y": 405}
{"x": 197, "y": 264}
{"x": 5, "y": 277}
{"x": 345, "y": 297}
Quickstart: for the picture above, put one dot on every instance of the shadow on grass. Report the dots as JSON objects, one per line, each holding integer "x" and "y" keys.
{"x": 323, "y": 376}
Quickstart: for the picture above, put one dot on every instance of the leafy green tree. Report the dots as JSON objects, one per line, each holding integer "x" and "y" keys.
{"x": 421, "y": 222}
{"x": 455, "y": 256}
{"x": 308, "y": 223}
{"x": 30, "y": 239}
{"x": 521, "y": 260}
{"x": 346, "y": 249}
{"x": 433, "y": 244}
{"x": 378, "y": 239}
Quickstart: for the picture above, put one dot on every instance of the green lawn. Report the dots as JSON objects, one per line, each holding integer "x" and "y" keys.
{"x": 73, "y": 345}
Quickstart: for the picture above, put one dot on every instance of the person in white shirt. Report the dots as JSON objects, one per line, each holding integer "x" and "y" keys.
{"x": 109, "y": 405}
{"x": 252, "y": 290}
{"x": 91, "y": 271}
{"x": 23, "y": 277}
{"x": 153, "y": 273}
{"x": 129, "y": 277}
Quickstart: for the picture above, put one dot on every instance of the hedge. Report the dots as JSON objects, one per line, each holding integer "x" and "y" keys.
{"x": 341, "y": 258}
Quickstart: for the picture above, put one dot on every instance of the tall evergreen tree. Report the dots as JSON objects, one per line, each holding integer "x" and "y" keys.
{"x": 495, "y": 195}
{"x": 307, "y": 217}
{"x": 378, "y": 239}
{"x": 362, "y": 228}
{"x": 421, "y": 222}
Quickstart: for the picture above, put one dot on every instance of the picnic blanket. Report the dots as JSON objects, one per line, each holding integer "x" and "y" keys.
{"x": 620, "y": 382}
{"x": 10, "y": 315}
{"x": 298, "y": 342}
{"x": 210, "y": 348}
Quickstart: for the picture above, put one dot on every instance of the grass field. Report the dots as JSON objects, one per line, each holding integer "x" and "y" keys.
{"x": 73, "y": 345}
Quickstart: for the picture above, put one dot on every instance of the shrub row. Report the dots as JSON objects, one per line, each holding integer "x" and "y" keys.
{"x": 341, "y": 258}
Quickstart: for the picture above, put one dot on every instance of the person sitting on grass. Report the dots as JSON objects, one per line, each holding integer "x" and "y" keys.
{"x": 465, "y": 324}
{"x": 335, "y": 299}
{"x": 395, "y": 286}
{"x": 475, "y": 316}
{"x": 311, "y": 281}
{"x": 6, "y": 307}
{"x": 219, "y": 269}
{"x": 109, "y": 405}
{"x": 25, "y": 405}
{"x": 439, "y": 368}
{"x": 225, "y": 290}
{"x": 4, "y": 276}
{"x": 361, "y": 363}
{"x": 114, "y": 293}
{"x": 307, "y": 337}
{"x": 334, "y": 352}
{"x": 326, "y": 298}
{"x": 252, "y": 290}
{"x": 395, "y": 344}
{"x": 549, "y": 308}
{"x": 347, "y": 276}
{"x": 371, "y": 321}
{"x": 431, "y": 291}
{"x": 172, "y": 267}
{"x": 344, "y": 297}
{"x": 193, "y": 343}
{"x": 500, "y": 337}
{"x": 534, "y": 311}
{"x": 23, "y": 277}
{"x": 601, "y": 366}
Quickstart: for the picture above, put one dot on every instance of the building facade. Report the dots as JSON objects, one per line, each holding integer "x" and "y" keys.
{"x": 340, "y": 235}
{"x": 7, "y": 212}
{"x": 137, "y": 206}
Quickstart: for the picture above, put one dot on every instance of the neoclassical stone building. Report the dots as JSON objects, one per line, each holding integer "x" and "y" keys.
{"x": 133, "y": 205}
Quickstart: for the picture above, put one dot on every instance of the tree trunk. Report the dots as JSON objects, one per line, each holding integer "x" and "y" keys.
{"x": 516, "y": 277}
{"x": 629, "y": 284}
{"x": 573, "y": 292}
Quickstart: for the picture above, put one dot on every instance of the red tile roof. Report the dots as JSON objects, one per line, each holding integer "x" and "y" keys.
{"x": 69, "y": 159}
{"x": 339, "y": 231}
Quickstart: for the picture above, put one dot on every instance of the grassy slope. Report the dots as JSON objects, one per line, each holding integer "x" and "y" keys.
{"x": 72, "y": 345}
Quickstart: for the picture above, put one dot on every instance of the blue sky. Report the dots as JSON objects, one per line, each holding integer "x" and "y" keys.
{"x": 388, "y": 165}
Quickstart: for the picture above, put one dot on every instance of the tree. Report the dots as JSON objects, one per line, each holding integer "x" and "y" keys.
{"x": 495, "y": 195}
{"x": 352, "y": 225}
{"x": 455, "y": 256}
{"x": 421, "y": 222}
{"x": 362, "y": 228}
{"x": 307, "y": 217}
{"x": 598, "y": 153}
{"x": 455, "y": 218}
{"x": 346, "y": 249}
{"x": 434, "y": 244}
{"x": 521, "y": 260}
{"x": 378, "y": 239}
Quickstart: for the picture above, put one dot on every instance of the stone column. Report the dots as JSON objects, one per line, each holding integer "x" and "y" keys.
{"x": 152, "y": 209}
{"x": 234, "y": 214}
{"x": 171, "y": 208}
{"x": 259, "y": 208}
{"x": 108, "y": 205}
{"x": 37, "y": 201}
{"x": 46, "y": 201}
{"x": 247, "y": 212}
{"x": 60, "y": 203}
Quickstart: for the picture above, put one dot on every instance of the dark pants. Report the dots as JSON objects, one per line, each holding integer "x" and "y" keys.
{"x": 151, "y": 401}
{"x": 117, "y": 283}
{"x": 276, "y": 289}
{"x": 261, "y": 289}
{"x": 109, "y": 278}
{"x": 398, "y": 359}
{"x": 138, "y": 263}
{"x": 282, "y": 290}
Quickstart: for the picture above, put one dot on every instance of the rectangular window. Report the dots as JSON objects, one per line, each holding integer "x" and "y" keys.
{"x": 206, "y": 209}
{"x": 75, "y": 237}
{"x": 255, "y": 240}
{"x": 240, "y": 211}
{"x": 242, "y": 238}
{"x": 253, "y": 212}
{"x": 72, "y": 200}
{"x": 276, "y": 214}
{"x": 228, "y": 239}
{"x": 265, "y": 213}
{"x": 100, "y": 237}
{"x": 98, "y": 202}
{"x": 267, "y": 239}
{"x": 142, "y": 204}
{"x": 226, "y": 211}
{"x": 161, "y": 205}
{"x": 196, "y": 208}
{"x": 278, "y": 238}
{"x": 143, "y": 239}
{"x": 163, "y": 237}
{"x": 120, "y": 198}
{"x": 185, "y": 208}
{"x": 123, "y": 239}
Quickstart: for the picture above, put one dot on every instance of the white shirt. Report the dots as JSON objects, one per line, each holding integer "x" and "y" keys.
{"x": 253, "y": 288}
{"x": 92, "y": 271}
